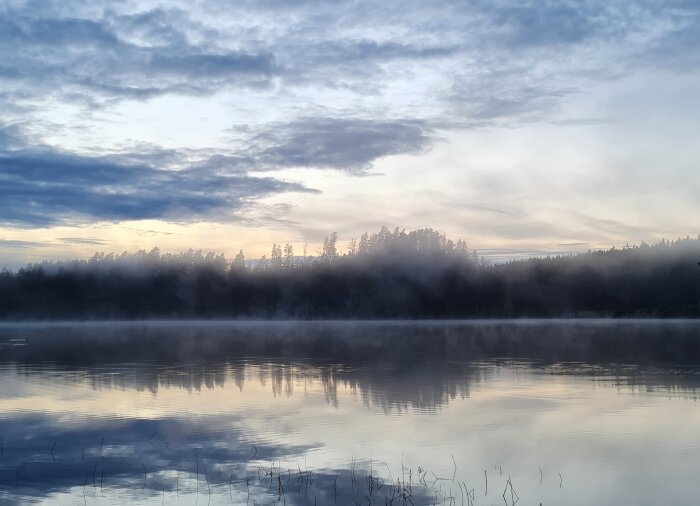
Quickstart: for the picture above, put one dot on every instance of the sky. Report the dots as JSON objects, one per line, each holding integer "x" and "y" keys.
{"x": 524, "y": 128}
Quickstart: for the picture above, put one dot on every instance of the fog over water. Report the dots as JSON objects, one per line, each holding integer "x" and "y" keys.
{"x": 419, "y": 274}
{"x": 348, "y": 412}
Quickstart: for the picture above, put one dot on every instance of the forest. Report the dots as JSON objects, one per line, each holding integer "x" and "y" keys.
{"x": 396, "y": 274}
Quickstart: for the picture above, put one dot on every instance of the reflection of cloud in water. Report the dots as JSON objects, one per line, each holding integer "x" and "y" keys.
{"x": 136, "y": 459}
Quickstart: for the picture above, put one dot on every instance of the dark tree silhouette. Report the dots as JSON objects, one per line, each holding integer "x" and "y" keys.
{"x": 389, "y": 274}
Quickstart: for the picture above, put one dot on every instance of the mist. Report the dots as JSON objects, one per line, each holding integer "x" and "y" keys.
{"x": 386, "y": 275}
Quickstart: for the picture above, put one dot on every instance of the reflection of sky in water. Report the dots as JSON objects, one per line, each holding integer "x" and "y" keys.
{"x": 617, "y": 434}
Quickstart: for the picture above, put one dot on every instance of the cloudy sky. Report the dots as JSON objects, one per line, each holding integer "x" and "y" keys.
{"x": 521, "y": 127}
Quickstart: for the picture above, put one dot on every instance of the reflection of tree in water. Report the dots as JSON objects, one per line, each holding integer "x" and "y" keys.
{"x": 388, "y": 386}
{"x": 424, "y": 387}
{"x": 420, "y": 388}
{"x": 681, "y": 381}
{"x": 330, "y": 384}
{"x": 238, "y": 376}
{"x": 391, "y": 365}
{"x": 281, "y": 376}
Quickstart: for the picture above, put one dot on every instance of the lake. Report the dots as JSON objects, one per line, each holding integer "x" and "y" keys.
{"x": 574, "y": 412}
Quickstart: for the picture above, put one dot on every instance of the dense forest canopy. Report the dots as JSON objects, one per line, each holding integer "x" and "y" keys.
{"x": 388, "y": 274}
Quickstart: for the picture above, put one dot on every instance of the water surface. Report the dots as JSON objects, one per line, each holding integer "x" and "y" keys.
{"x": 527, "y": 412}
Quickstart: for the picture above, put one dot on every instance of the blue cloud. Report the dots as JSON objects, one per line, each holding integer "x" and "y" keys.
{"x": 98, "y": 56}
{"x": 545, "y": 23}
{"x": 453, "y": 65}
{"x": 78, "y": 52}
{"x": 46, "y": 187}
{"x": 43, "y": 186}
{"x": 347, "y": 144}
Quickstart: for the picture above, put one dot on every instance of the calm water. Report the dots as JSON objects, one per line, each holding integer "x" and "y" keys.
{"x": 351, "y": 413}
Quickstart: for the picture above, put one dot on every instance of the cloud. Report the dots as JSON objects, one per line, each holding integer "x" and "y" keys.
{"x": 676, "y": 47}
{"x": 350, "y": 145}
{"x": 118, "y": 57}
{"x": 10, "y": 135}
{"x": 17, "y": 244}
{"x": 82, "y": 240}
{"x": 523, "y": 24}
{"x": 42, "y": 187}
{"x": 334, "y": 86}
{"x": 356, "y": 63}
{"x": 92, "y": 58}
{"x": 501, "y": 58}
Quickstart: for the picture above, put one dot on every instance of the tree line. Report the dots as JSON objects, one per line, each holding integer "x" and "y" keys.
{"x": 388, "y": 274}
